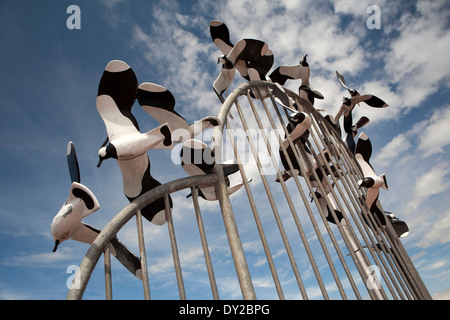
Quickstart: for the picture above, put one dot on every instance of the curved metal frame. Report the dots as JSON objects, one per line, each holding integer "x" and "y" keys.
{"x": 112, "y": 228}
{"x": 395, "y": 265}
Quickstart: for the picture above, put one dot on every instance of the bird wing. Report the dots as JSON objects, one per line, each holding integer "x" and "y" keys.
{"x": 196, "y": 157}
{"x": 117, "y": 124}
{"x": 370, "y": 100}
{"x": 159, "y": 103}
{"x": 136, "y": 181}
{"x": 220, "y": 35}
{"x": 120, "y": 83}
{"x": 224, "y": 80}
{"x": 79, "y": 191}
{"x": 372, "y": 197}
{"x": 126, "y": 258}
{"x": 203, "y": 124}
{"x": 72, "y": 162}
{"x": 85, "y": 233}
{"x": 296, "y": 72}
{"x": 364, "y": 147}
{"x": 342, "y": 81}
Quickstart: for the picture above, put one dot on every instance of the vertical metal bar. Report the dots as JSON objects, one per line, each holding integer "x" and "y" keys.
{"x": 308, "y": 209}
{"x": 237, "y": 252}
{"x": 256, "y": 217}
{"x": 140, "y": 232}
{"x": 290, "y": 204}
{"x": 273, "y": 206}
{"x": 108, "y": 283}
{"x": 201, "y": 229}
{"x": 173, "y": 243}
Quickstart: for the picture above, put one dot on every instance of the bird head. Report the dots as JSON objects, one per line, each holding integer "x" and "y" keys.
{"x": 303, "y": 61}
{"x": 105, "y": 153}
{"x": 225, "y": 62}
{"x": 367, "y": 182}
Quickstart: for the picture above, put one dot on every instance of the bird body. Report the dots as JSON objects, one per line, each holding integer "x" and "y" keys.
{"x": 370, "y": 180}
{"x": 197, "y": 159}
{"x": 117, "y": 93}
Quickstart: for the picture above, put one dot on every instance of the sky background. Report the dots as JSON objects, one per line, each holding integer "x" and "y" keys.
{"x": 49, "y": 78}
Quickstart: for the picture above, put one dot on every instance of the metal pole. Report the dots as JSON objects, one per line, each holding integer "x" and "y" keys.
{"x": 201, "y": 229}
{"x": 140, "y": 232}
{"x": 173, "y": 243}
{"x": 108, "y": 283}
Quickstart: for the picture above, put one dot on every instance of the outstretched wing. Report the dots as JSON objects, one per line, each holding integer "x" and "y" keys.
{"x": 342, "y": 81}
{"x": 223, "y": 81}
{"x": 371, "y": 100}
{"x": 87, "y": 234}
{"x": 159, "y": 103}
{"x": 284, "y": 73}
{"x": 116, "y": 96}
{"x": 220, "y": 35}
{"x": 364, "y": 148}
{"x": 72, "y": 162}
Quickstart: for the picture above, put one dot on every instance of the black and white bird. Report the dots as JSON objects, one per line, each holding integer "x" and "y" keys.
{"x": 371, "y": 180}
{"x": 400, "y": 227}
{"x": 356, "y": 98}
{"x": 68, "y": 224}
{"x": 297, "y": 127}
{"x": 197, "y": 159}
{"x": 159, "y": 103}
{"x": 352, "y": 130}
{"x": 323, "y": 203}
{"x": 301, "y": 71}
{"x": 252, "y": 58}
{"x": 116, "y": 96}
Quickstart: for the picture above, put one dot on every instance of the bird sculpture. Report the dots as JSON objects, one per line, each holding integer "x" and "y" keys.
{"x": 252, "y": 58}
{"x": 356, "y": 98}
{"x": 197, "y": 159}
{"x": 68, "y": 224}
{"x": 116, "y": 96}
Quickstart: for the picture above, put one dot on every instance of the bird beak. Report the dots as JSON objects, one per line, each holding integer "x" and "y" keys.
{"x": 99, "y": 162}
{"x": 56, "y": 245}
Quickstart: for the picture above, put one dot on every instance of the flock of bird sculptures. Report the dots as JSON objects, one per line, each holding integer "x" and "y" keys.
{"x": 117, "y": 92}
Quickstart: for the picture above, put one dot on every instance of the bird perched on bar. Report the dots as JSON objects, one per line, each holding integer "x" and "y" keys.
{"x": 197, "y": 159}
{"x": 116, "y": 96}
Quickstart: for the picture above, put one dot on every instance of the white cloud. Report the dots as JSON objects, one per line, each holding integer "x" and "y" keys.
{"x": 418, "y": 60}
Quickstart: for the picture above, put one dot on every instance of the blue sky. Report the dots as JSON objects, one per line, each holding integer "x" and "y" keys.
{"x": 49, "y": 79}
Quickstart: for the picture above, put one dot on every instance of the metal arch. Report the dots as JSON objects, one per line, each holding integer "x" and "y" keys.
{"x": 358, "y": 230}
{"x": 112, "y": 228}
